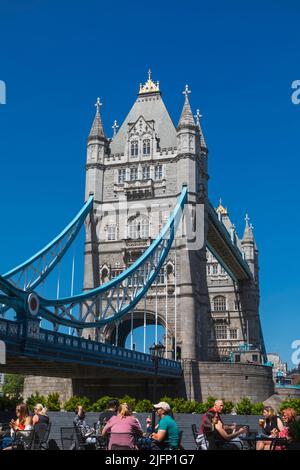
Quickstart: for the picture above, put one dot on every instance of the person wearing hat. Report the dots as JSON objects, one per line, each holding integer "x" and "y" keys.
{"x": 167, "y": 434}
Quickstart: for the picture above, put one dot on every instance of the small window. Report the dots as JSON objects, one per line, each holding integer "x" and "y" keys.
{"x": 221, "y": 331}
{"x": 233, "y": 333}
{"x": 133, "y": 174}
{"x": 121, "y": 175}
{"x": 146, "y": 172}
{"x": 237, "y": 358}
{"x": 134, "y": 148}
{"x": 146, "y": 147}
{"x": 111, "y": 232}
{"x": 215, "y": 269}
{"x": 254, "y": 357}
{"x": 158, "y": 172}
{"x": 219, "y": 303}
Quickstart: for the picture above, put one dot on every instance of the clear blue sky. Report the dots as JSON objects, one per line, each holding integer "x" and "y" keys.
{"x": 239, "y": 59}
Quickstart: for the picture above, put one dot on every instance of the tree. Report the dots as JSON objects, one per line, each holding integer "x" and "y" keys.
{"x": 13, "y": 385}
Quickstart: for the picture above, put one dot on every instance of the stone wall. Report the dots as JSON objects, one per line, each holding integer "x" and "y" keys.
{"x": 201, "y": 379}
{"x": 228, "y": 381}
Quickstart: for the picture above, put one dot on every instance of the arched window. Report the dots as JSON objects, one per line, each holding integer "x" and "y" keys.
{"x": 219, "y": 303}
{"x": 138, "y": 228}
{"x": 146, "y": 147}
{"x": 134, "y": 148}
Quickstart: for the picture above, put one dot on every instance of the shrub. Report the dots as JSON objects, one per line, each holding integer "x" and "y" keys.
{"x": 101, "y": 404}
{"x": 209, "y": 402}
{"x": 291, "y": 403}
{"x": 170, "y": 401}
{"x": 257, "y": 409}
{"x": 13, "y": 386}
{"x": 143, "y": 406}
{"x": 244, "y": 407}
{"x": 35, "y": 399}
{"x": 71, "y": 404}
{"x": 52, "y": 402}
{"x": 129, "y": 400}
{"x": 228, "y": 407}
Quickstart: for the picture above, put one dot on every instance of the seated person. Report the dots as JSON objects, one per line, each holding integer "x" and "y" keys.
{"x": 167, "y": 433}
{"x": 88, "y": 432}
{"x": 40, "y": 415}
{"x": 272, "y": 425}
{"x": 216, "y": 435}
{"x": 123, "y": 428}
{"x": 289, "y": 416}
{"x": 107, "y": 414}
{"x": 22, "y": 423}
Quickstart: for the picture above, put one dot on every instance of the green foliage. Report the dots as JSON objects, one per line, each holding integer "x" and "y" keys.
{"x": 244, "y": 407}
{"x": 129, "y": 400}
{"x": 291, "y": 403}
{"x": 143, "y": 406}
{"x": 34, "y": 400}
{"x": 257, "y": 409}
{"x": 13, "y": 386}
{"x": 210, "y": 402}
{"x": 71, "y": 404}
{"x": 170, "y": 401}
{"x": 101, "y": 404}
{"x": 52, "y": 402}
{"x": 228, "y": 407}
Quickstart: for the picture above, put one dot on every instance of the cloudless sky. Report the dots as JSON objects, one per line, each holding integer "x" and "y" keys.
{"x": 239, "y": 59}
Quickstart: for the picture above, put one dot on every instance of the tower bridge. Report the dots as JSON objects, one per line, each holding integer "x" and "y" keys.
{"x": 156, "y": 253}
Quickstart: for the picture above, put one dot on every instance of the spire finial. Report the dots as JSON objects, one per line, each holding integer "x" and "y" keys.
{"x": 198, "y": 116}
{"x": 115, "y": 127}
{"x": 98, "y": 104}
{"x": 149, "y": 75}
{"x": 186, "y": 91}
{"x": 149, "y": 86}
{"x": 247, "y": 219}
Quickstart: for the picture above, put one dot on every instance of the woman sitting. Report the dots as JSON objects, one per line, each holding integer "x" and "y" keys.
{"x": 289, "y": 416}
{"x": 122, "y": 429}
{"x": 23, "y": 423}
{"x": 272, "y": 425}
{"x": 40, "y": 415}
{"x": 217, "y": 437}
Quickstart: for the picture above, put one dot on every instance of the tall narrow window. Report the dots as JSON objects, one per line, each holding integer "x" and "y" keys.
{"x": 138, "y": 228}
{"x": 158, "y": 172}
{"x": 221, "y": 331}
{"x": 111, "y": 232}
{"x": 133, "y": 174}
{"x": 122, "y": 175}
{"x": 146, "y": 172}
{"x": 146, "y": 147}
{"x": 134, "y": 148}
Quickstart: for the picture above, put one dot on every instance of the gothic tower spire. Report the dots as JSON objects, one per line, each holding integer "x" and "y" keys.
{"x": 97, "y": 127}
{"x": 186, "y": 119}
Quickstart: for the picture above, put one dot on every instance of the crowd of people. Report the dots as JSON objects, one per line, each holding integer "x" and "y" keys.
{"x": 118, "y": 428}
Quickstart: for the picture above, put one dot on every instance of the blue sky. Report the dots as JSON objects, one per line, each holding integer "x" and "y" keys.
{"x": 239, "y": 59}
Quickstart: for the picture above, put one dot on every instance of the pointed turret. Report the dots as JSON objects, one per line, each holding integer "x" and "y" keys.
{"x": 198, "y": 116}
{"x": 97, "y": 127}
{"x": 248, "y": 233}
{"x": 186, "y": 120}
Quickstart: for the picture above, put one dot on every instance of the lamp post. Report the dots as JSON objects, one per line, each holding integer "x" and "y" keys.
{"x": 156, "y": 352}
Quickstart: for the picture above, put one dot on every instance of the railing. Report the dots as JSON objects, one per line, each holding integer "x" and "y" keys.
{"x": 15, "y": 330}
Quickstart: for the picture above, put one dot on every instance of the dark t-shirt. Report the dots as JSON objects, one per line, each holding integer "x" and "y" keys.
{"x": 105, "y": 416}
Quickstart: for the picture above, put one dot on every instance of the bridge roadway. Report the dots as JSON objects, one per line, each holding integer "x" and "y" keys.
{"x": 31, "y": 350}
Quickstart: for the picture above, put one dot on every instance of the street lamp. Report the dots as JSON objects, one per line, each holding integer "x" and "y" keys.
{"x": 156, "y": 352}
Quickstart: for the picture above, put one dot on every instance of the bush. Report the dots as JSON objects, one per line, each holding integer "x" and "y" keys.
{"x": 291, "y": 403}
{"x": 143, "y": 406}
{"x": 228, "y": 407}
{"x": 101, "y": 404}
{"x": 129, "y": 400}
{"x": 168, "y": 400}
{"x": 34, "y": 400}
{"x": 244, "y": 407}
{"x": 52, "y": 402}
{"x": 13, "y": 386}
{"x": 257, "y": 409}
{"x": 71, "y": 404}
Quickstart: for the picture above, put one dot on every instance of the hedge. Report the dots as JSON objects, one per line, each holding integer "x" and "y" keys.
{"x": 178, "y": 405}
